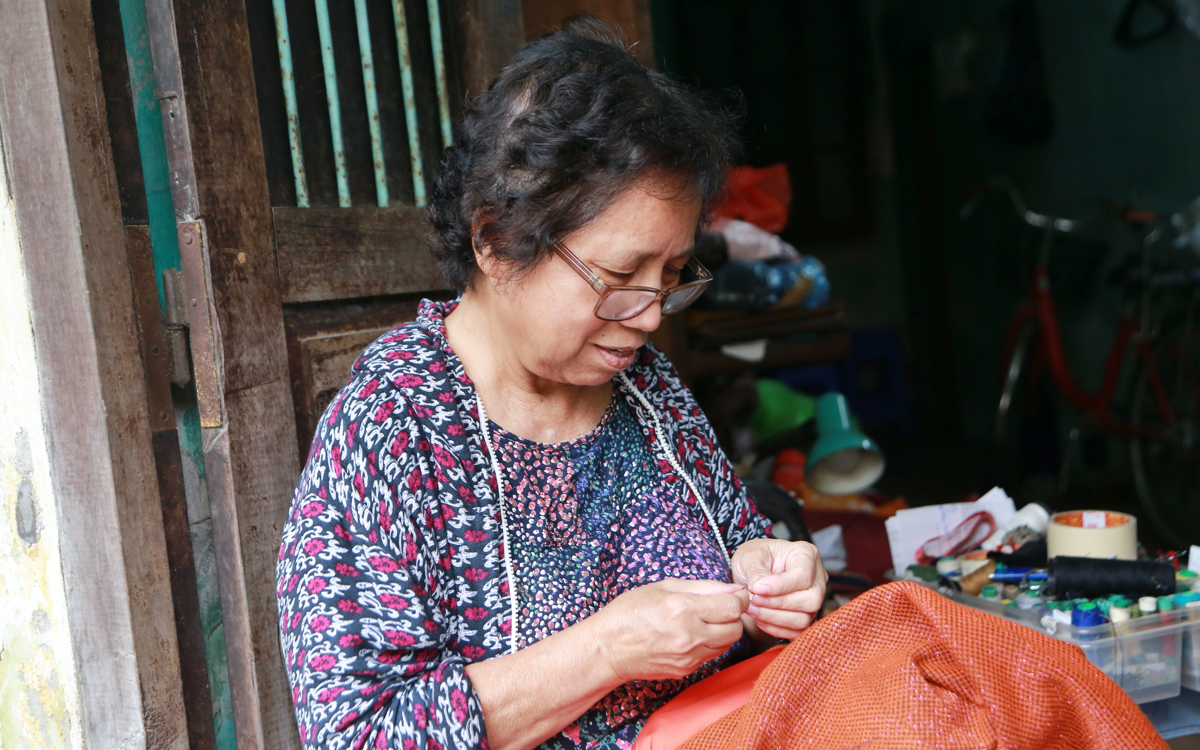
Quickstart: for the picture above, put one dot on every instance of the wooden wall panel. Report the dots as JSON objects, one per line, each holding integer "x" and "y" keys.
{"x": 343, "y": 253}
{"x": 485, "y": 34}
{"x": 201, "y": 52}
{"x": 57, "y": 147}
{"x": 632, "y": 17}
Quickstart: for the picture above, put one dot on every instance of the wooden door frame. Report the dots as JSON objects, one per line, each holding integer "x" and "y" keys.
{"x": 227, "y": 248}
{"x": 55, "y": 141}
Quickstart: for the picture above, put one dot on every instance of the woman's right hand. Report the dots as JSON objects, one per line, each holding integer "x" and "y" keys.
{"x": 665, "y": 630}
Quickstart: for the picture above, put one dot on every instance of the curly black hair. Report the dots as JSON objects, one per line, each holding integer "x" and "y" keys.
{"x": 571, "y": 122}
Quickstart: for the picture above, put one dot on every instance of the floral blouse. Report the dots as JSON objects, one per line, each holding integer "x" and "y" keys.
{"x": 391, "y": 570}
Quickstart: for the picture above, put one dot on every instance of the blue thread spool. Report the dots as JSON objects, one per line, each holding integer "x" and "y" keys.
{"x": 1087, "y": 615}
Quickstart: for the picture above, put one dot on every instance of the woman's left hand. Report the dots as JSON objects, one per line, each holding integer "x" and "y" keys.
{"x": 786, "y": 581}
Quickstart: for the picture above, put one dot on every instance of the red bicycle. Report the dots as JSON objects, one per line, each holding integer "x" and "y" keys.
{"x": 1158, "y": 328}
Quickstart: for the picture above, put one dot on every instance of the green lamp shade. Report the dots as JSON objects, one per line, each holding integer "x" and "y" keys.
{"x": 779, "y": 408}
{"x": 843, "y": 460}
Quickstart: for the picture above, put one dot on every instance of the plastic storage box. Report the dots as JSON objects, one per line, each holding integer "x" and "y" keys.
{"x": 1190, "y": 677}
{"x": 1147, "y": 656}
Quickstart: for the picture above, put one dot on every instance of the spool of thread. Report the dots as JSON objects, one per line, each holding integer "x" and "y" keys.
{"x": 1081, "y": 576}
{"x": 1011, "y": 591}
{"x": 1148, "y": 605}
{"x": 973, "y": 561}
{"x": 1025, "y": 600}
{"x": 974, "y": 582}
{"x": 1166, "y": 603}
{"x": 926, "y": 573}
{"x": 1087, "y": 615}
{"x": 1092, "y": 533}
{"x": 948, "y": 566}
{"x": 1119, "y": 614}
{"x": 990, "y": 593}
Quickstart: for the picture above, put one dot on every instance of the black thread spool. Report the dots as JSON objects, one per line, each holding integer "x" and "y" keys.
{"x": 1089, "y": 577}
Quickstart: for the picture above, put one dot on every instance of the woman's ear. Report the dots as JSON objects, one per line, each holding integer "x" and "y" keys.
{"x": 488, "y": 263}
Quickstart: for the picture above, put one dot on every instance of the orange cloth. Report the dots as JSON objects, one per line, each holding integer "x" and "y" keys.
{"x": 903, "y": 667}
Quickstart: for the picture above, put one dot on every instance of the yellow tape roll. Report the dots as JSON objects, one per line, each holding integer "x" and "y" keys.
{"x": 1092, "y": 533}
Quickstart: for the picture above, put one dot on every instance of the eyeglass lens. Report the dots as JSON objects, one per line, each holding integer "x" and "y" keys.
{"x": 681, "y": 298}
{"x": 623, "y": 304}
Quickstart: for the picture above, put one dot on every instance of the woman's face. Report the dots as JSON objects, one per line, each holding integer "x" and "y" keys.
{"x": 643, "y": 238}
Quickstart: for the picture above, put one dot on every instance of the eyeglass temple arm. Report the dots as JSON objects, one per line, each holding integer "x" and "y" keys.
{"x": 702, "y": 273}
{"x": 580, "y": 268}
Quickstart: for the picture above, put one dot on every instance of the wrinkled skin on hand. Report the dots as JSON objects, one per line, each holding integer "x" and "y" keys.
{"x": 665, "y": 630}
{"x": 786, "y": 581}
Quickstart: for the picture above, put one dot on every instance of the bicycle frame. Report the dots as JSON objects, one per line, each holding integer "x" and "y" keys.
{"x": 1049, "y": 353}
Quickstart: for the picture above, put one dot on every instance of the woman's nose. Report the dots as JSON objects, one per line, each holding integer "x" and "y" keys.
{"x": 649, "y": 319}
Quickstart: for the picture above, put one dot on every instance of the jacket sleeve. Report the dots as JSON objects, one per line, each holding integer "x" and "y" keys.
{"x": 364, "y": 612}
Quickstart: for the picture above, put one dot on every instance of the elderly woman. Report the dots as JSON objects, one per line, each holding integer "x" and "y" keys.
{"x": 515, "y": 526}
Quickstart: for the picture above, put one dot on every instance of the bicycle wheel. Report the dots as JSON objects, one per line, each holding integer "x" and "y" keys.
{"x": 1010, "y": 388}
{"x": 1166, "y": 470}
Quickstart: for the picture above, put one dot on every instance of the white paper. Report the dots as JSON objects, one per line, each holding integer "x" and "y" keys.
{"x": 910, "y": 528}
{"x": 1194, "y": 559}
{"x": 749, "y": 243}
{"x": 830, "y": 544}
{"x": 746, "y": 351}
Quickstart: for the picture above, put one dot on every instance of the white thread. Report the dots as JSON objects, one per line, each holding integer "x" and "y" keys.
{"x": 508, "y": 566}
{"x": 663, "y": 445}
{"x": 666, "y": 448}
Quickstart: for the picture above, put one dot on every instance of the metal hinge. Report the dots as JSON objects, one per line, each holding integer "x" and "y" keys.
{"x": 195, "y": 310}
{"x": 175, "y": 331}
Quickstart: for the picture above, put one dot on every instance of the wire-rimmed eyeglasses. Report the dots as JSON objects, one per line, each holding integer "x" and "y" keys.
{"x": 625, "y": 302}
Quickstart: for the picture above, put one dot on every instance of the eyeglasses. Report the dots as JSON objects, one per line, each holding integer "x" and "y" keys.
{"x": 625, "y": 302}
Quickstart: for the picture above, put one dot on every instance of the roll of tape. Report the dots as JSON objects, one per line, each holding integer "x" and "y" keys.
{"x": 1092, "y": 533}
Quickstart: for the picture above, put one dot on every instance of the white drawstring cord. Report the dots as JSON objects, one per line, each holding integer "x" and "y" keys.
{"x": 508, "y": 566}
{"x": 663, "y": 445}
{"x": 666, "y": 448}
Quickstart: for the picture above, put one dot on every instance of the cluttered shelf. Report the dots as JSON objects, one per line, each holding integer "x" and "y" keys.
{"x": 768, "y": 306}
{"x": 704, "y": 343}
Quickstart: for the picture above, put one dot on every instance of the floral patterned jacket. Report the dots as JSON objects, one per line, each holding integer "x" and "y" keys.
{"x": 391, "y": 576}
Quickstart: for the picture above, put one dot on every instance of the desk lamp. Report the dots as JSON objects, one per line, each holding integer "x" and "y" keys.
{"x": 843, "y": 460}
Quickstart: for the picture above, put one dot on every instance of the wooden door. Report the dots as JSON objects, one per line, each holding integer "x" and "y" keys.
{"x": 289, "y": 273}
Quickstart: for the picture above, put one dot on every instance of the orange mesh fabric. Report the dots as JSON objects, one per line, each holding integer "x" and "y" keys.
{"x": 903, "y": 667}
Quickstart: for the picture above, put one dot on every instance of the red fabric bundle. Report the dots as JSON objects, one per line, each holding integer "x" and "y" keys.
{"x": 703, "y": 703}
{"x": 903, "y": 667}
{"x": 761, "y": 196}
